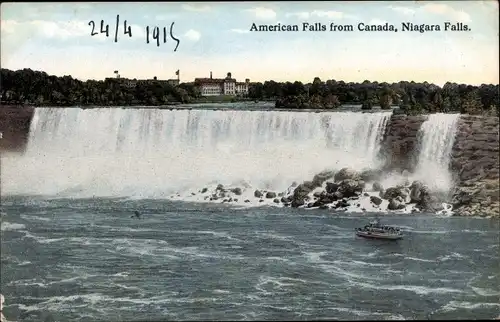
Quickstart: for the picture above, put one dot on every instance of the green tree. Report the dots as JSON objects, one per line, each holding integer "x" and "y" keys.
{"x": 472, "y": 103}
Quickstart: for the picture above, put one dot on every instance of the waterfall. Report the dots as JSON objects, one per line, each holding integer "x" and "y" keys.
{"x": 436, "y": 138}
{"x": 153, "y": 152}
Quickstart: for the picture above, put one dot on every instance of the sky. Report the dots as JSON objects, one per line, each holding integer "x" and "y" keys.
{"x": 215, "y": 37}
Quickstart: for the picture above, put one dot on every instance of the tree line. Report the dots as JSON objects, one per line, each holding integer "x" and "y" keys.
{"x": 409, "y": 96}
{"x": 38, "y": 88}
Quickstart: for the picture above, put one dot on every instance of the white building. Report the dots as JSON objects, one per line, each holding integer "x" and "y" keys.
{"x": 222, "y": 86}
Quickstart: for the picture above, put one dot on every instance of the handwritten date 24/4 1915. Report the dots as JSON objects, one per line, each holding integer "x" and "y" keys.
{"x": 152, "y": 33}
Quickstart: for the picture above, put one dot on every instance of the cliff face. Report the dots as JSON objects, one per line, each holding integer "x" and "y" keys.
{"x": 400, "y": 145}
{"x": 475, "y": 164}
{"x": 14, "y": 126}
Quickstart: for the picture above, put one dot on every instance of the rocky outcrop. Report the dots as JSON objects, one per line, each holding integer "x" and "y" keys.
{"x": 396, "y": 204}
{"x": 477, "y": 198}
{"x": 395, "y": 192}
{"x": 301, "y": 193}
{"x": 376, "y": 200}
{"x": 350, "y": 188}
{"x": 325, "y": 192}
{"x": 345, "y": 174}
{"x": 14, "y": 127}
{"x": 271, "y": 195}
{"x": 400, "y": 143}
{"x": 415, "y": 193}
{"x": 236, "y": 191}
{"x": 332, "y": 190}
{"x": 475, "y": 165}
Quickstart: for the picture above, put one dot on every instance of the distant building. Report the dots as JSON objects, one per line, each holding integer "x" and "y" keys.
{"x": 222, "y": 86}
{"x": 173, "y": 82}
{"x": 132, "y": 83}
{"x": 242, "y": 87}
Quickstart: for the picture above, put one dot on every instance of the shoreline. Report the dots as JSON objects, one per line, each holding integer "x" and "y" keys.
{"x": 252, "y": 106}
{"x": 395, "y": 110}
{"x": 233, "y": 206}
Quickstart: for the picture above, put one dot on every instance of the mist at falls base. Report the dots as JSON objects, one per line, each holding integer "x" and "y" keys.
{"x": 151, "y": 153}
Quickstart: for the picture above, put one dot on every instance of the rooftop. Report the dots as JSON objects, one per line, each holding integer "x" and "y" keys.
{"x": 213, "y": 80}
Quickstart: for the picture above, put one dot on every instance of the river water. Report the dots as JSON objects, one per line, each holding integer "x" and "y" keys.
{"x": 88, "y": 260}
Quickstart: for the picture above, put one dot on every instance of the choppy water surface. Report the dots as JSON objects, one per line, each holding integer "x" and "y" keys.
{"x": 67, "y": 260}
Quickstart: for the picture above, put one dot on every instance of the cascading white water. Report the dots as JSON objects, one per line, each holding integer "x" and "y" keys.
{"x": 437, "y": 136}
{"x": 152, "y": 152}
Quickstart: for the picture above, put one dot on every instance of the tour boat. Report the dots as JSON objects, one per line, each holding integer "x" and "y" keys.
{"x": 376, "y": 231}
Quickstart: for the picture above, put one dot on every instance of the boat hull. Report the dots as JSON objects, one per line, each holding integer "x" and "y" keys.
{"x": 372, "y": 235}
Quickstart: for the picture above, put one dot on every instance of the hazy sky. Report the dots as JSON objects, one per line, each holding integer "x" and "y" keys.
{"x": 215, "y": 37}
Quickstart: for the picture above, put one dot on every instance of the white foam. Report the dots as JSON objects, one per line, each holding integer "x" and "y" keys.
{"x": 369, "y": 314}
{"x": 24, "y": 263}
{"x": 28, "y": 282}
{"x": 457, "y": 305}
{"x": 421, "y": 290}
{"x": 485, "y": 291}
{"x": 35, "y": 218}
{"x": 7, "y": 226}
{"x": 452, "y": 256}
{"x": 67, "y": 303}
{"x": 447, "y": 210}
{"x": 270, "y": 284}
{"x": 362, "y": 263}
{"x": 419, "y": 259}
{"x": 347, "y": 273}
{"x": 43, "y": 240}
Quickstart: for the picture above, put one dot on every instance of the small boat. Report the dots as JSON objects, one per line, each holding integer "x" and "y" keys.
{"x": 377, "y": 231}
